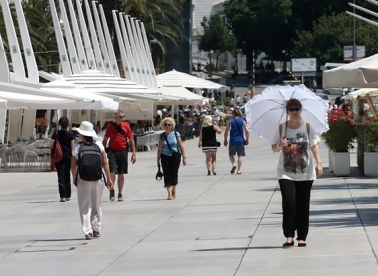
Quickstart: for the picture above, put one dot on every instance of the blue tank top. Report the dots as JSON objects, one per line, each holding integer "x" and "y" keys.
{"x": 236, "y": 132}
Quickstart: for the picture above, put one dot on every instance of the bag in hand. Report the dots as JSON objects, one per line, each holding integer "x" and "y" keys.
{"x": 57, "y": 153}
{"x": 176, "y": 158}
{"x": 218, "y": 144}
{"x": 159, "y": 174}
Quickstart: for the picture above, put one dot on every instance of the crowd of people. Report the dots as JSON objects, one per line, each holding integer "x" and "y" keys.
{"x": 93, "y": 163}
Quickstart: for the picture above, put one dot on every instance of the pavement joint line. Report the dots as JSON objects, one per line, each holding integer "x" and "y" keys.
{"x": 254, "y": 232}
{"x": 153, "y": 231}
{"x": 360, "y": 219}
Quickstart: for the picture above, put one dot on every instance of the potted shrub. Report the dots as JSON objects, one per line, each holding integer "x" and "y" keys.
{"x": 368, "y": 136}
{"x": 339, "y": 138}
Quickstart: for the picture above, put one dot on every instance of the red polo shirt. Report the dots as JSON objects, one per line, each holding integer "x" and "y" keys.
{"x": 118, "y": 141}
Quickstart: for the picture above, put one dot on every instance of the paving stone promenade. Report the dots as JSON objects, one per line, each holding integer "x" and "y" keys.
{"x": 218, "y": 225}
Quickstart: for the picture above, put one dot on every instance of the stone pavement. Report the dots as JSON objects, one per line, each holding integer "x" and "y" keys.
{"x": 218, "y": 225}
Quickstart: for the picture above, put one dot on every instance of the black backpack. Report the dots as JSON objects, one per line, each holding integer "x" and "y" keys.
{"x": 90, "y": 162}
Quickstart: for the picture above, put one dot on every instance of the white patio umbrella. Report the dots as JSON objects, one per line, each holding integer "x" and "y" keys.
{"x": 266, "y": 111}
{"x": 360, "y": 74}
{"x": 183, "y": 79}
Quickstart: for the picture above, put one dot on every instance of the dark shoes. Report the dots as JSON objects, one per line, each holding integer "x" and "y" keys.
{"x": 88, "y": 237}
{"x": 120, "y": 197}
{"x": 288, "y": 244}
{"x": 96, "y": 234}
{"x": 233, "y": 169}
{"x": 208, "y": 173}
{"x": 302, "y": 244}
{"x": 111, "y": 195}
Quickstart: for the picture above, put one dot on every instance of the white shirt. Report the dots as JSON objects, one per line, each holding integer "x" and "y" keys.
{"x": 216, "y": 115}
{"x": 296, "y": 162}
{"x": 75, "y": 151}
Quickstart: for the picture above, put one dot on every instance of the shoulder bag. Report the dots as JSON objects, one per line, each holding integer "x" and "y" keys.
{"x": 57, "y": 152}
{"x": 176, "y": 156}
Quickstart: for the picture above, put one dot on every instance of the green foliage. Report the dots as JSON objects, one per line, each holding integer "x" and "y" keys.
{"x": 330, "y": 34}
{"x": 368, "y": 135}
{"x": 258, "y": 24}
{"x": 342, "y": 131}
{"x": 216, "y": 36}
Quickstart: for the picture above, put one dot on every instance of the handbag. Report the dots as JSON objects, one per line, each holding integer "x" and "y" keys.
{"x": 57, "y": 152}
{"x": 241, "y": 132}
{"x": 218, "y": 144}
{"x": 176, "y": 155}
{"x": 159, "y": 174}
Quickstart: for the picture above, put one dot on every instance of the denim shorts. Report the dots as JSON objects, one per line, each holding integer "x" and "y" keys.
{"x": 239, "y": 150}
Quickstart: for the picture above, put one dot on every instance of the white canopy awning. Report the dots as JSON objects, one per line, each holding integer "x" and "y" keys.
{"x": 177, "y": 78}
{"x": 361, "y": 93}
{"x": 360, "y": 74}
{"x": 75, "y": 98}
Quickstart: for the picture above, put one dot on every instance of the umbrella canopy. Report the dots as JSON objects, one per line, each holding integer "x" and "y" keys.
{"x": 20, "y": 100}
{"x": 361, "y": 93}
{"x": 266, "y": 111}
{"x": 176, "y": 78}
{"x": 361, "y": 74}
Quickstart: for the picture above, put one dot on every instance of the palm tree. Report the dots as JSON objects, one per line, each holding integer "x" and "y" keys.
{"x": 41, "y": 30}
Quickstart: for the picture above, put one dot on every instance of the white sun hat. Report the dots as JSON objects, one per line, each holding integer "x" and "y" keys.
{"x": 86, "y": 129}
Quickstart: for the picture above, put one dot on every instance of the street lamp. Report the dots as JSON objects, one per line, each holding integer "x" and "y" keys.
{"x": 153, "y": 41}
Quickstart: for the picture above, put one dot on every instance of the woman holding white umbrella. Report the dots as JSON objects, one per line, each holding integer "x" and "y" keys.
{"x": 296, "y": 171}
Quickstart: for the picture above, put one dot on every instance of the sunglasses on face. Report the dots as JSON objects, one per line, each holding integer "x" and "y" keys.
{"x": 167, "y": 124}
{"x": 122, "y": 117}
{"x": 292, "y": 109}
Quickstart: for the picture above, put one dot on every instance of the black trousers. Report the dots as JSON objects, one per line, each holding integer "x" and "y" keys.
{"x": 295, "y": 207}
{"x": 63, "y": 169}
{"x": 170, "y": 170}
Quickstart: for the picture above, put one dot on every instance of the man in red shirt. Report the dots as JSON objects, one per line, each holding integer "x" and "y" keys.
{"x": 119, "y": 134}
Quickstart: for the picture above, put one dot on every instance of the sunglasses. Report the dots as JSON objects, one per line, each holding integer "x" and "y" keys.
{"x": 167, "y": 124}
{"x": 292, "y": 109}
{"x": 122, "y": 117}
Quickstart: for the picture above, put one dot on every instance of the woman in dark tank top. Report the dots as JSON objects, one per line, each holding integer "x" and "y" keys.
{"x": 208, "y": 142}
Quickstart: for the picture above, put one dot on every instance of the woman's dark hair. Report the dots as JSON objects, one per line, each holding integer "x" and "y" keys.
{"x": 63, "y": 122}
{"x": 88, "y": 139}
{"x": 293, "y": 103}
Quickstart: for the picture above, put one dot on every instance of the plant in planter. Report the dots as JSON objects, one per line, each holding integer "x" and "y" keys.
{"x": 368, "y": 135}
{"x": 342, "y": 131}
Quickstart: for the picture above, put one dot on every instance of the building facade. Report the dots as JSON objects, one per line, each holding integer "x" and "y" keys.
{"x": 207, "y": 8}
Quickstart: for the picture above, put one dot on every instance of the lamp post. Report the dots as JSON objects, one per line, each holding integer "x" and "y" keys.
{"x": 153, "y": 41}
{"x": 354, "y": 33}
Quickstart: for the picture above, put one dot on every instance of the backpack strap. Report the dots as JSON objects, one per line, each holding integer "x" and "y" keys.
{"x": 307, "y": 128}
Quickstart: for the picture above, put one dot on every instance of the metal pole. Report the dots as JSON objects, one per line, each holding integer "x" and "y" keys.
{"x": 253, "y": 73}
{"x": 354, "y": 34}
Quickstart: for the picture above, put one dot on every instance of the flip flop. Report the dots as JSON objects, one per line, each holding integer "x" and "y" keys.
{"x": 233, "y": 169}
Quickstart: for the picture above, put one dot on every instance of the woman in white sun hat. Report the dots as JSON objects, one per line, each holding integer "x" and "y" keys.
{"x": 87, "y": 164}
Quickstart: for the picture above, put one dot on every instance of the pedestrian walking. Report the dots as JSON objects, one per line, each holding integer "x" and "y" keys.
{"x": 237, "y": 128}
{"x": 88, "y": 162}
{"x": 208, "y": 142}
{"x": 119, "y": 135}
{"x": 67, "y": 141}
{"x": 170, "y": 152}
{"x": 297, "y": 169}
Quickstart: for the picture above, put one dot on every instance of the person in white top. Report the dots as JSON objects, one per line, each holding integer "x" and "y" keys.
{"x": 296, "y": 172}
{"x": 89, "y": 193}
{"x": 216, "y": 116}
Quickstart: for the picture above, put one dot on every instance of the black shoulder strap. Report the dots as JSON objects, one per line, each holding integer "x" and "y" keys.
{"x": 169, "y": 146}
{"x": 119, "y": 129}
{"x": 241, "y": 132}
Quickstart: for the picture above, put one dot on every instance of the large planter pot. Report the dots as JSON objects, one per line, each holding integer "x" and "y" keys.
{"x": 370, "y": 163}
{"x": 330, "y": 158}
{"x": 340, "y": 163}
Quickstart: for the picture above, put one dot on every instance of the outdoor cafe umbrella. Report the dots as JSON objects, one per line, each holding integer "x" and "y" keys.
{"x": 266, "y": 111}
